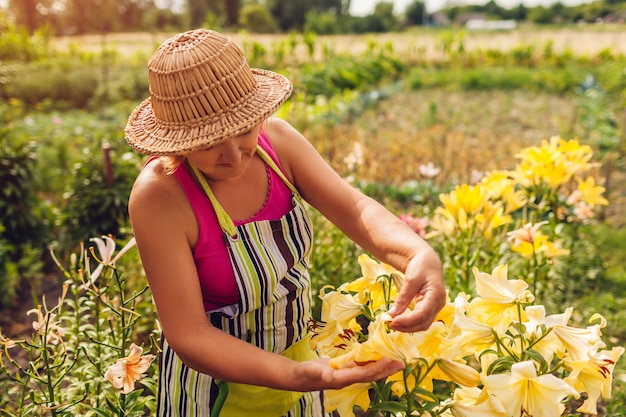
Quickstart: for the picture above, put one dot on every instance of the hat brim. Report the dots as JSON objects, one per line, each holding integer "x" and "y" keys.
{"x": 148, "y": 135}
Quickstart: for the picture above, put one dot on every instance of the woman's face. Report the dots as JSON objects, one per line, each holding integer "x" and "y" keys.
{"x": 229, "y": 159}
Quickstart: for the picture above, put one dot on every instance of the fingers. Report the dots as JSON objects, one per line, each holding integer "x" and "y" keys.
{"x": 367, "y": 372}
{"x": 413, "y": 320}
{"x": 421, "y": 296}
{"x": 426, "y": 306}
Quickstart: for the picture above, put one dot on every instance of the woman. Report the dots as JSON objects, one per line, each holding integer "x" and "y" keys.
{"x": 225, "y": 241}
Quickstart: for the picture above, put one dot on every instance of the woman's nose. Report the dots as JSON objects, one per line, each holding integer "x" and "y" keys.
{"x": 231, "y": 152}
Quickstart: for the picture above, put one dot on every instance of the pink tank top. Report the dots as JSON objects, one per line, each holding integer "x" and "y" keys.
{"x": 217, "y": 278}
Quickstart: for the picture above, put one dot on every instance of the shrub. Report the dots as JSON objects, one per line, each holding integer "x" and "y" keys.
{"x": 17, "y": 45}
{"x": 97, "y": 196}
{"x": 256, "y": 18}
{"x": 66, "y": 83}
{"x": 25, "y": 217}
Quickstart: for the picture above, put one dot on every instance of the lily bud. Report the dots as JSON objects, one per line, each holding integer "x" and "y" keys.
{"x": 460, "y": 373}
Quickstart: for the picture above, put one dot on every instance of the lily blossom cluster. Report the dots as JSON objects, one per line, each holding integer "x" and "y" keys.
{"x": 552, "y": 176}
{"x": 497, "y": 354}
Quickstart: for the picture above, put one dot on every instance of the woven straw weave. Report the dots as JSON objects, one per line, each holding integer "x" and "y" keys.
{"x": 202, "y": 92}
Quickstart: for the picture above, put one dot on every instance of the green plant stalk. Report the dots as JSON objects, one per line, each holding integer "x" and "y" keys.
{"x": 501, "y": 346}
{"x": 97, "y": 309}
{"x": 51, "y": 396}
{"x": 468, "y": 258}
{"x": 418, "y": 380}
{"x": 521, "y": 339}
{"x": 535, "y": 270}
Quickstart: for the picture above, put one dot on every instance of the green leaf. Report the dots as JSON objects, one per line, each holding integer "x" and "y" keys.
{"x": 392, "y": 406}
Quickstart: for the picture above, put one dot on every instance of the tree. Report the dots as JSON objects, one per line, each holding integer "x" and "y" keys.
{"x": 415, "y": 13}
{"x": 232, "y": 12}
{"x": 291, "y": 14}
{"x": 28, "y": 13}
{"x": 223, "y": 11}
{"x": 256, "y": 18}
{"x": 540, "y": 15}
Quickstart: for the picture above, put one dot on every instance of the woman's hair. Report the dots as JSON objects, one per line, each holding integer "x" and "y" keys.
{"x": 171, "y": 162}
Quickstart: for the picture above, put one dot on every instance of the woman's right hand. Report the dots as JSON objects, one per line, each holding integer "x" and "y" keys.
{"x": 317, "y": 374}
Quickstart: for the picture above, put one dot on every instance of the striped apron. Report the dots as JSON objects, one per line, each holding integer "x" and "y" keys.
{"x": 270, "y": 260}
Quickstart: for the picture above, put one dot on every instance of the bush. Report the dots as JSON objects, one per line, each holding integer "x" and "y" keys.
{"x": 17, "y": 45}
{"x": 257, "y": 19}
{"x": 97, "y": 197}
{"x": 66, "y": 83}
{"x": 25, "y": 218}
{"x": 321, "y": 23}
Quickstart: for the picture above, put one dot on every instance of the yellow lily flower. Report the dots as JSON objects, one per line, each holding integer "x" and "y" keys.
{"x": 579, "y": 344}
{"x": 464, "y": 200}
{"x": 498, "y": 288}
{"x": 381, "y": 344}
{"x": 492, "y": 217}
{"x": 595, "y": 378}
{"x": 529, "y": 249}
{"x": 372, "y": 269}
{"x": 459, "y": 373}
{"x": 332, "y": 344}
{"x": 523, "y": 393}
{"x": 554, "y": 163}
{"x": 496, "y": 183}
{"x": 377, "y": 289}
{"x": 442, "y": 223}
{"x": 446, "y": 314}
{"x": 339, "y": 311}
{"x": 588, "y": 192}
{"x": 499, "y": 296}
{"x": 514, "y": 200}
{"x": 576, "y": 155}
{"x": 343, "y": 400}
{"x": 471, "y": 336}
{"x": 549, "y": 343}
{"x": 474, "y": 402}
{"x": 500, "y": 187}
{"x": 554, "y": 249}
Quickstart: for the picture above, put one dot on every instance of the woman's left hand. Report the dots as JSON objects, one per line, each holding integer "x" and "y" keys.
{"x": 424, "y": 287}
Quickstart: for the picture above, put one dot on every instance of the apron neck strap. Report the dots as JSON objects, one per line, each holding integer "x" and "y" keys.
{"x": 226, "y": 223}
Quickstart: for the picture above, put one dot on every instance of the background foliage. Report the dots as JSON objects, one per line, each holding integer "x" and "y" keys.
{"x": 77, "y": 17}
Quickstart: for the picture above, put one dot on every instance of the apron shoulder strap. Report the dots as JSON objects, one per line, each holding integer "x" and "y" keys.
{"x": 226, "y": 223}
{"x": 272, "y": 164}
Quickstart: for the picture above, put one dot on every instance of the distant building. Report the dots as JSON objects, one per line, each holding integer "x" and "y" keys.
{"x": 439, "y": 19}
{"x": 483, "y": 24}
{"x": 463, "y": 18}
{"x": 612, "y": 18}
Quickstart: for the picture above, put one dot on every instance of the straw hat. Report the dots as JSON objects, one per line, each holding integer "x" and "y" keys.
{"x": 202, "y": 92}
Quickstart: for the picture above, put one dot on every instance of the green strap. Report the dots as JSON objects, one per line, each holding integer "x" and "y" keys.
{"x": 225, "y": 221}
{"x": 223, "y": 218}
{"x": 269, "y": 161}
{"x": 221, "y": 398}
